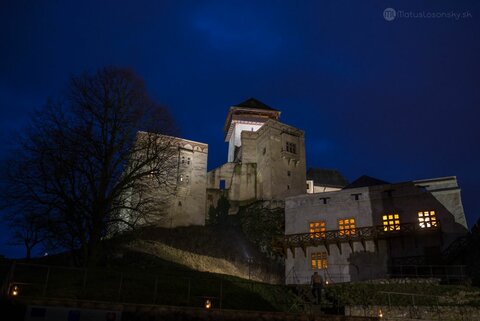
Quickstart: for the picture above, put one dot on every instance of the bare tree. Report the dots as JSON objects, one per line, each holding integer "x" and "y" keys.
{"x": 91, "y": 160}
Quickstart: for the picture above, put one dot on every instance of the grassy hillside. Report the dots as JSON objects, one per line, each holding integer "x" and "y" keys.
{"x": 223, "y": 250}
{"x": 186, "y": 266}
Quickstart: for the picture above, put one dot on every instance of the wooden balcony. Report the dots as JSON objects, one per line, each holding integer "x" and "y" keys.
{"x": 358, "y": 234}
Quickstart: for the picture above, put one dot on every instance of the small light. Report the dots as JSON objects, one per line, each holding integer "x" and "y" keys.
{"x": 326, "y": 282}
{"x": 15, "y": 290}
{"x": 208, "y": 304}
{"x": 380, "y": 314}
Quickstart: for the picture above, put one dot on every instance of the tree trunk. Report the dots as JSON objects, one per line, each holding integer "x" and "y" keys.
{"x": 29, "y": 252}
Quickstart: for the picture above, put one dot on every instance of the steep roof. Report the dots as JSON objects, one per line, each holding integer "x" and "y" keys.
{"x": 365, "y": 181}
{"x": 254, "y": 104}
{"x": 326, "y": 177}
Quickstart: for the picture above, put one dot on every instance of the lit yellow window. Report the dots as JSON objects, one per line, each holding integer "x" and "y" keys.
{"x": 346, "y": 226}
{"x": 391, "y": 222}
{"x": 427, "y": 219}
{"x": 317, "y": 229}
{"x": 319, "y": 260}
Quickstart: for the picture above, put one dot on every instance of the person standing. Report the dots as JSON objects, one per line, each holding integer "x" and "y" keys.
{"x": 317, "y": 285}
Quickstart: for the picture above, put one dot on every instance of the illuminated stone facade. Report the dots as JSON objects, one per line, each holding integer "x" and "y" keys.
{"x": 186, "y": 208}
{"x": 266, "y": 158}
{"x": 369, "y": 228}
{"x": 181, "y": 201}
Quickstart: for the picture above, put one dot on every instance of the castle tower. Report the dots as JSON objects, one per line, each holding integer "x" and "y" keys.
{"x": 249, "y": 115}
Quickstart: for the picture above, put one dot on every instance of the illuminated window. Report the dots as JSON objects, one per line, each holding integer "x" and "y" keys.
{"x": 317, "y": 229}
{"x": 427, "y": 219}
{"x": 291, "y": 148}
{"x": 346, "y": 226}
{"x": 391, "y": 222}
{"x": 319, "y": 260}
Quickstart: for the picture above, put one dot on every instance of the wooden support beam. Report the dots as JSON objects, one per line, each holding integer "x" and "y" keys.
{"x": 364, "y": 244}
{"x": 303, "y": 246}
{"x": 350, "y": 242}
{"x": 327, "y": 247}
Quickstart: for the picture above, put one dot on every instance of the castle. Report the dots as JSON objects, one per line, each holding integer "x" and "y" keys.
{"x": 346, "y": 231}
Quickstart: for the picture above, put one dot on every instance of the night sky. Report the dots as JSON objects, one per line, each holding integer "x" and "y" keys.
{"x": 397, "y": 100}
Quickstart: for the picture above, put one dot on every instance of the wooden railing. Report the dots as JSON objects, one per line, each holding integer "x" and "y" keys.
{"x": 358, "y": 234}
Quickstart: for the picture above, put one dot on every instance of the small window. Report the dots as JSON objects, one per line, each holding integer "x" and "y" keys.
{"x": 188, "y": 161}
{"x": 389, "y": 192}
{"x": 264, "y": 150}
{"x": 391, "y": 222}
{"x": 291, "y": 148}
{"x": 319, "y": 260}
{"x": 179, "y": 203}
{"x": 181, "y": 178}
{"x": 324, "y": 199}
{"x": 356, "y": 196}
{"x": 183, "y": 159}
{"x": 187, "y": 179}
{"x": 222, "y": 184}
{"x": 346, "y": 226}
{"x": 427, "y": 219}
{"x": 288, "y": 186}
{"x": 423, "y": 188}
{"x": 317, "y": 229}
{"x": 288, "y": 173}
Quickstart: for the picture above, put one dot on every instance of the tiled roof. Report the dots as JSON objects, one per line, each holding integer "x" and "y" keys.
{"x": 326, "y": 177}
{"x": 254, "y": 104}
{"x": 364, "y": 181}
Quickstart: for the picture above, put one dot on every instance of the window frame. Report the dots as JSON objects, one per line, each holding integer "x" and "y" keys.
{"x": 427, "y": 219}
{"x": 321, "y": 226}
{"x": 391, "y": 222}
{"x": 347, "y": 226}
{"x": 319, "y": 260}
{"x": 291, "y": 147}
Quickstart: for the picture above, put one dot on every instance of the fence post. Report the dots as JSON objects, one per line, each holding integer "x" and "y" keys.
{"x": 85, "y": 281}
{"x": 438, "y": 308}
{"x": 120, "y": 286}
{"x": 221, "y": 294}
{"x": 8, "y": 280}
{"x": 155, "y": 290}
{"x": 46, "y": 282}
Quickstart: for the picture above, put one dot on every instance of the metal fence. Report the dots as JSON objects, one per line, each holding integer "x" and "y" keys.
{"x": 447, "y": 273}
{"x": 343, "y": 273}
{"x": 41, "y": 281}
{"x": 413, "y": 301}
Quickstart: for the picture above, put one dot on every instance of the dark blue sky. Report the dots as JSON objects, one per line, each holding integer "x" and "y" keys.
{"x": 395, "y": 100}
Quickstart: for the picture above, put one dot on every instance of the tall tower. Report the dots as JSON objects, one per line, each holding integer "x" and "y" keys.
{"x": 249, "y": 115}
